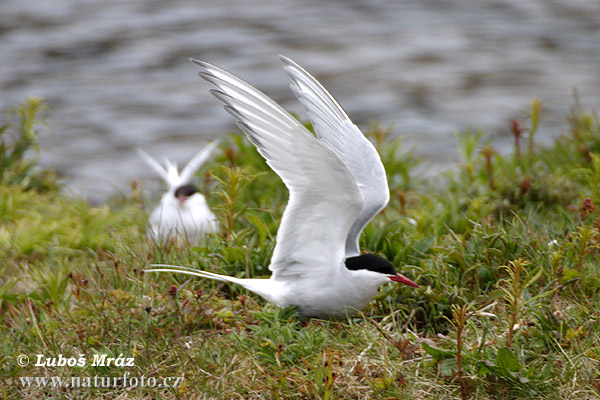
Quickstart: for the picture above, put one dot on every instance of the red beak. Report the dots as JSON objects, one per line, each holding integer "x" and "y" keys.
{"x": 403, "y": 279}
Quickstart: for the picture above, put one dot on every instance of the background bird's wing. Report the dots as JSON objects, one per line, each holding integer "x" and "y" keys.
{"x": 173, "y": 177}
{"x": 196, "y": 162}
{"x": 333, "y": 126}
{"x": 155, "y": 165}
{"x": 324, "y": 201}
{"x": 169, "y": 172}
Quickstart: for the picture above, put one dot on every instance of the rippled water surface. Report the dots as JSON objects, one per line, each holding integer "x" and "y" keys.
{"x": 117, "y": 75}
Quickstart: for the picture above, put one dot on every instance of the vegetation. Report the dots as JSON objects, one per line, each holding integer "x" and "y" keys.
{"x": 506, "y": 249}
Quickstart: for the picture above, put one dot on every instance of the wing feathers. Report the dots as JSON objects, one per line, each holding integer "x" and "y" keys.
{"x": 335, "y": 129}
{"x": 169, "y": 172}
{"x": 324, "y": 199}
{"x": 187, "y": 173}
{"x": 155, "y": 165}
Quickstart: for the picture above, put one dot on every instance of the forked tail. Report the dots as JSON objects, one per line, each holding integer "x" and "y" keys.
{"x": 262, "y": 287}
{"x": 191, "y": 271}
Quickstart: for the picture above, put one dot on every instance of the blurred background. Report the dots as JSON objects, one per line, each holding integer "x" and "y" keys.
{"x": 116, "y": 74}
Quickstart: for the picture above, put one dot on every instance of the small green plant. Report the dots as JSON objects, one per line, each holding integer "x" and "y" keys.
{"x": 488, "y": 152}
{"x": 18, "y": 139}
{"x": 515, "y": 292}
{"x": 467, "y": 146}
{"x": 460, "y": 316}
{"x": 534, "y": 119}
{"x": 232, "y": 205}
{"x": 517, "y": 131}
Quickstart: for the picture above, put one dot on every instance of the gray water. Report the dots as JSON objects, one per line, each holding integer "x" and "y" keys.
{"x": 116, "y": 73}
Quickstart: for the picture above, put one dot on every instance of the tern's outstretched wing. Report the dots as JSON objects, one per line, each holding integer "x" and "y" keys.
{"x": 337, "y": 131}
{"x": 187, "y": 173}
{"x": 324, "y": 200}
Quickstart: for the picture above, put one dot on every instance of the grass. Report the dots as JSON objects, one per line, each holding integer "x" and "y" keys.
{"x": 506, "y": 249}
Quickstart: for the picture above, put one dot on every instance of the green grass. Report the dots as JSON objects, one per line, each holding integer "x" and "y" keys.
{"x": 506, "y": 249}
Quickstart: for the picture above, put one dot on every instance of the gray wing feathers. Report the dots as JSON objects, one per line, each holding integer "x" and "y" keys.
{"x": 324, "y": 199}
{"x": 333, "y": 126}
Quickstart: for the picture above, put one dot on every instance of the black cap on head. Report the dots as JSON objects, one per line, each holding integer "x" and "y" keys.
{"x": 371, "y": 262}
{"x": 185, "y": 190}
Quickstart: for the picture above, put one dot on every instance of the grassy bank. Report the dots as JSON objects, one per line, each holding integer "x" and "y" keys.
{"x": 506, "y": 249}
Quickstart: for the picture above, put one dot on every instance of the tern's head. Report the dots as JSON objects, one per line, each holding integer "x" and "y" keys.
{"x": 377, "y": 264}
{"x": 184, "y": 192}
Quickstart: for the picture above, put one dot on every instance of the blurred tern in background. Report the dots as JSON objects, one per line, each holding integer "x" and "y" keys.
{"x": 183, "y": 212}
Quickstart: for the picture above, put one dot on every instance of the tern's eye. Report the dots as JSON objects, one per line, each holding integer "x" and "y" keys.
{"x": 186, "y": 191}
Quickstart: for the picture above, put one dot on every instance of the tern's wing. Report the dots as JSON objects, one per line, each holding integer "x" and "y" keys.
{"x": 324, "y": 200}
{"x": 173, "y": 177}
{"x": 155, "y": 165}
{"x": 195, "y": 163}
{"x": 337, "y": 131}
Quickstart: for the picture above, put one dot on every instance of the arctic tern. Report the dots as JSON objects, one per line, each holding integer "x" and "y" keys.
{"x": 183, "y": 212}
{"x": 336, "y": 184}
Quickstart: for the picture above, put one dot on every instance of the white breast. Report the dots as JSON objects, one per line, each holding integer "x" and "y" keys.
{"x": 189, "y": 221}
{"x": 337, "y": 297}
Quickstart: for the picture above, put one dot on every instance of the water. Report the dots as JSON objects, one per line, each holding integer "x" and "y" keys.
{"x": 116, "y": 74}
